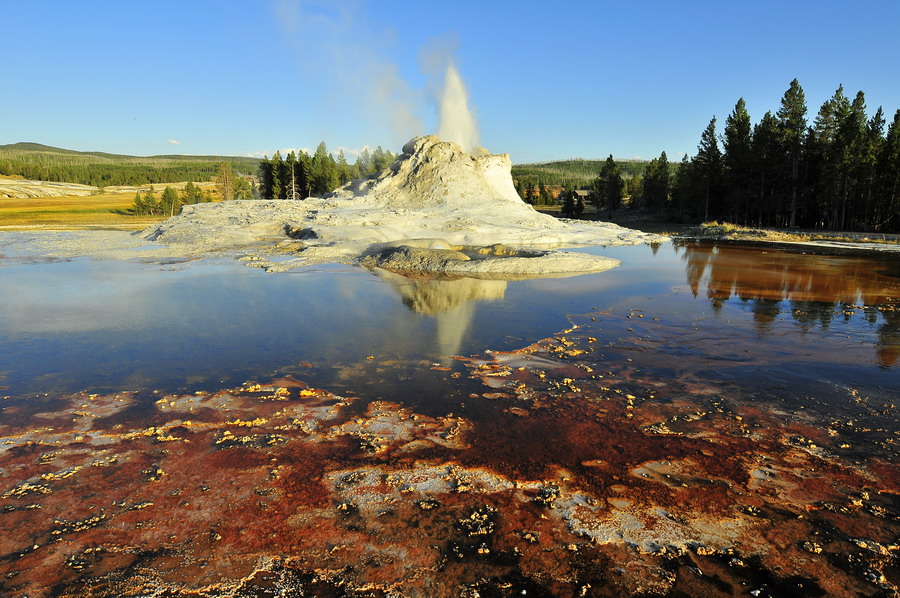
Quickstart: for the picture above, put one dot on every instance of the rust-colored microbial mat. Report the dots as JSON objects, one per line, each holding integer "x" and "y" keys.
{"x": 575, "y": 483}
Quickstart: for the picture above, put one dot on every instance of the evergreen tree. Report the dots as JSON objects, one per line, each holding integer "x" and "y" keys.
{"x": 708, "y": 167}
{"x": 151, "y": 202}
{"x": 874, "y": 144}
{"x": 191, "y": 194}
{"x": 526, "y": 194}
{"x": 381, "y": 159}
{"x": 887, "y": 182}
{"x": 169, "y": 202}
{"x": 242, "y": 188}
{"x": 544, "y": 194}
{"x": 265, "y": 177}
{"x": 853, "y": 140}
{"x": 736, "y": 161}
{"x": 278, "y": 190}
{"x": 655, "y": 188}
{"x": 684, "y": 190}
{"x": 568, "y": 201}
{"x": 611, "y": 185}
{"x": 792, "y": 126}
{"x": 141, "y": 206}
{"x": 364, "y": 163}
{"x": 767, "y": 159}
{"x": 323, "y": 171}
{"x": 343, "y": 168}
{"x": 826, "y": 155}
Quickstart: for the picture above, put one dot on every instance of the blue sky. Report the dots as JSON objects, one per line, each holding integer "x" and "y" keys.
{"x": 546, "y": 80}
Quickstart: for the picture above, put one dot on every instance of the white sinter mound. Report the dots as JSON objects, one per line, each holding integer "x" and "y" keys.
{"x": 435, "y": 198}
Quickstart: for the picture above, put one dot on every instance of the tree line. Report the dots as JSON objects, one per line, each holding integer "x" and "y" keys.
{"x": 44, "y": 163}
{"x": 228, "y": 184}
{"x": 839, "y": 172}
{"x": 300, "y": 175}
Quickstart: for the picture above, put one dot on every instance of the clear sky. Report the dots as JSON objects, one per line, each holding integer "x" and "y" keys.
{"x": 547, "y": 80}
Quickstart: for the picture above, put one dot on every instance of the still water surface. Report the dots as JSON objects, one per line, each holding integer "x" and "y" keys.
{"x": 772, "y": 318}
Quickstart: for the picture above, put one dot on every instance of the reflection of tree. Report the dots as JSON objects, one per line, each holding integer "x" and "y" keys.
{"x": 815, "y": 287}
{"x": 887, "y": 351}
{"x": 810, "y": 313}
{"x": 450, "y": 301}
{"x": 764, "y": 313}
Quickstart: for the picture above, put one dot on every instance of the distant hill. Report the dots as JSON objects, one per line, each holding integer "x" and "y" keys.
{"x": 576, "y": 171}
{"x": 46, "y": 163}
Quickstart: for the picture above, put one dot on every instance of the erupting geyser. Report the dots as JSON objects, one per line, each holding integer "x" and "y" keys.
{"x": 457, "y": 123}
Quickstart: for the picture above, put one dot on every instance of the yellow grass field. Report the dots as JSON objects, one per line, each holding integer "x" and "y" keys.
{"x": 107, "y": 210}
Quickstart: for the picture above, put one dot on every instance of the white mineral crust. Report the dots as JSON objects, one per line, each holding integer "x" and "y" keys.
{"x": 434, "y": 196}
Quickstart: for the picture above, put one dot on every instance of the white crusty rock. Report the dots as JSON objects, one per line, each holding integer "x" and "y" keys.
{"x": 434, "y": 190}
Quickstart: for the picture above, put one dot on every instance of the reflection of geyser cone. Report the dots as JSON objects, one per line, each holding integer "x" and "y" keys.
{"x": 450, "y": 301}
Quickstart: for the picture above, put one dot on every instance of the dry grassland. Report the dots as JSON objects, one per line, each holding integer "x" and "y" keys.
{"x": 103, "y": 210}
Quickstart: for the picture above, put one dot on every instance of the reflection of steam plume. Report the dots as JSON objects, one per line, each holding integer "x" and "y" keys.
{"x": 457, "y": 121}
{"x": 450, "y": 302}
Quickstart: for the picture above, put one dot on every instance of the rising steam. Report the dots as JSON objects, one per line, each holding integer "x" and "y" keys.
{"x": 457, "y": 123}
{"x": 347, "y": 59}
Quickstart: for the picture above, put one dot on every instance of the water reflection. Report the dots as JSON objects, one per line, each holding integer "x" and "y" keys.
{"x": 814, "y": 289}
{"x": 450, "y": 301}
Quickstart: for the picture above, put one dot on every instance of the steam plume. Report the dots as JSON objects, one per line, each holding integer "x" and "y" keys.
{"x": 457, "y": 123}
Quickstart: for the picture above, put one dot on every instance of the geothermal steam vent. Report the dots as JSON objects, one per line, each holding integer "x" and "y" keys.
{"x": 437, "y": 209}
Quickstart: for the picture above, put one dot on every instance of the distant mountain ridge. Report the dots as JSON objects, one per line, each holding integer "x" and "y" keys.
{"x": 47, "y": 163}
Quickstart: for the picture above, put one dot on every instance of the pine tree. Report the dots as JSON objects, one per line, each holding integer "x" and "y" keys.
{"x": 140, "y": 206}
{"x": 887, "y": 183}
{"x": 684, "y": 191}
{"x": 853, "y": 140}
{"x": 169, "y": 202}
{"x": 364, "y": 162}
{"x": 708, "y": 166}
{"x": 544, "y": 194}
{"x": 736, "y": 160}
{"x": 874, "y": 143}
{"x": 654, "y": 190}
{"x": 611, "y": 185}
{"x": 792, "y": 126}
{"x": 265, "y": 178}
{"x": 324, "y": 173}
{"x": 150, "y": 202}
{"x": 278, "y": 191}
{"x": 767, "y": 159}
{"x": 242, "y": 188}
{"x": 343, "y": 168}
{"x": 191, "y": 194}
{"x": 568, "y": 201}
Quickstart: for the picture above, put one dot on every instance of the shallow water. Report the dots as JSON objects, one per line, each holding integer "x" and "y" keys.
{"x": 724, "y": 409}
{"x": 101, "y": 326}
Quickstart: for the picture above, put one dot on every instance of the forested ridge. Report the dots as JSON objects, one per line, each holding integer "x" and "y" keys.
{"x": 45, "y": 163}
